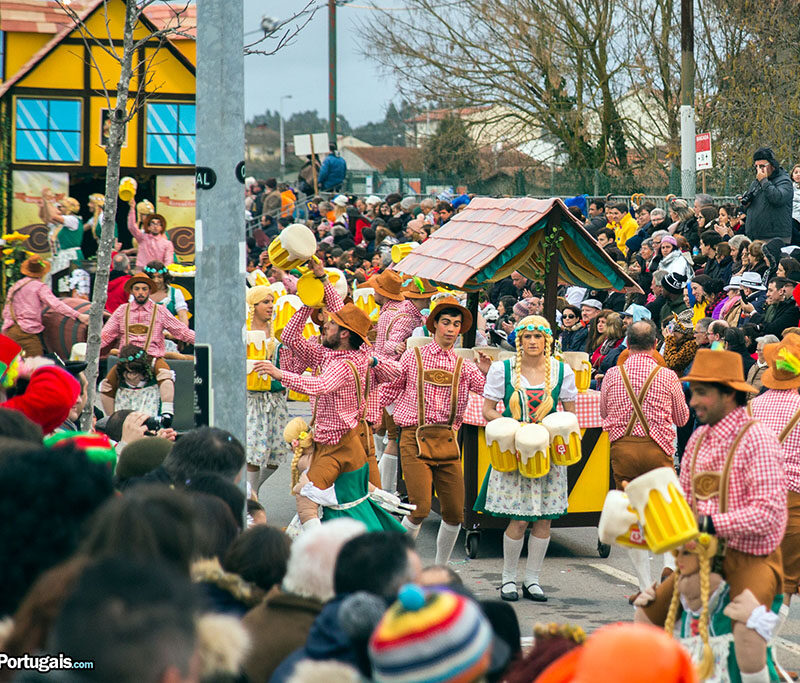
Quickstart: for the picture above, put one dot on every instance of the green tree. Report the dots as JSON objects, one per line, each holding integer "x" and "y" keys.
{"x": 451, "y": 151}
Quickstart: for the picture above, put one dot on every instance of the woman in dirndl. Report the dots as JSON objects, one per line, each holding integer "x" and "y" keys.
{"x": 530, "y": 388}
{"x": 267, "y": 412}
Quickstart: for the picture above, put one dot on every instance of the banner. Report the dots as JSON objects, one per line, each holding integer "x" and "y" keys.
{"x": 27, "y": 195}
{"x": 175, "y": 200}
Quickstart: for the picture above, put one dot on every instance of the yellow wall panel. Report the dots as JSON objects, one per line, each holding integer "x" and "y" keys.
{"x": 112, "y": 13}
{"x": 20, "y": 47}
{"x": 97, "y": 153}
{"x": 169, "y": 75}
{"x": 110, "y": 69}
{"x": 188, "y": 48}
{"x": 62, "y": 68}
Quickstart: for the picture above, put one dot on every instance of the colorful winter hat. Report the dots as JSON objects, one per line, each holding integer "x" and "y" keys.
{"x": 96, "y": 446}
{"x": 429, "y": 636}
{"x": 9, "y": 360}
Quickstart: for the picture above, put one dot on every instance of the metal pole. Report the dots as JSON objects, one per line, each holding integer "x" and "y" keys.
{"x": 283, "y": 144}
{"x": 688, "y": 172}
{"x": 332, "y": 70}
{"x": 220, "y": 230}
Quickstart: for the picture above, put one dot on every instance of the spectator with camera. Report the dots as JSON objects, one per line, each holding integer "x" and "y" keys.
{"x": 768, "y": 200}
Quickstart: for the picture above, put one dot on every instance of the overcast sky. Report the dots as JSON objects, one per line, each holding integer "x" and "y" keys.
{"x": 301, "y": 69}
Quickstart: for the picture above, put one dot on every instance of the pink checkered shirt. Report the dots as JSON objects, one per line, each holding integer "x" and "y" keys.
{"x": 333, "y": 390}
{"x": 664, "y": 406}
{"x": 403, "y": 390}
{"x": 29, "y": 297}
{"x": 398, "y": 318}
{"x": 114, "y": 329}
{"x": 756, "y": 517}
{"x": 775, "y": 408}
{"x": 151, "y": 247}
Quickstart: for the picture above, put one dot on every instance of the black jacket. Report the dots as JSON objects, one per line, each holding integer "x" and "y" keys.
{"x": 769, "y": 213}
{"x": 777, "y": 317}
{"x": 574, "y": 340}
{"x": 689, "y": 230}
{"x": 719, "y": 270}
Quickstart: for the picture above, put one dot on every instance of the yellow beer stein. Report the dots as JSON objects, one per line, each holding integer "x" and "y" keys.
{"x": 619, "y": 523}
{"x": 565, "y": 437}
{"x": 582, "y": 367}
{"x": 532, "y": 442}
{"x": 499, "y": 435}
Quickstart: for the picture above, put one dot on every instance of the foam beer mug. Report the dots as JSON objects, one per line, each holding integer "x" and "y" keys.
{"x": 499, "y": 435}
{"x": 619, "y": 523}
{"x": 532, "y": 442}
{"x": 565, "y": 438}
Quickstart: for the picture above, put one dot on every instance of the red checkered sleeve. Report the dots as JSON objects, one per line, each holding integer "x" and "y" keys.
{"x": 756, "y": 516}
{"x": 292, "y": 337}
{"x": 403, "y": 324}
{"x": 333, "y": 302}
{"x": 113, "y": 328}
{"x": 664, "y": 405}
{"x": 172, "y": 325}
{"x": 333, "y": 377}
{"x": 775, "y": 408}
{"x": 389, "y": 311}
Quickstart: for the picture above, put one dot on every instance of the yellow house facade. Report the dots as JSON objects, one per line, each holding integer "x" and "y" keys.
{"x": 56, "y": 94}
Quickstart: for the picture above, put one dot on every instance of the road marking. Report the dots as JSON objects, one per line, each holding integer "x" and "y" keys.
{"x": 788, "y": 645}
{"x": 616, "y": 573}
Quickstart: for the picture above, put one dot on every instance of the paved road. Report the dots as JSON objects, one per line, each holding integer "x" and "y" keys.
{"x": 582, "y": 588}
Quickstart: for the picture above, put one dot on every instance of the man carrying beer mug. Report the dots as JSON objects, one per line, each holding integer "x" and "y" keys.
{"x": 641, "y": 403}
{"x": 733, "y": 475}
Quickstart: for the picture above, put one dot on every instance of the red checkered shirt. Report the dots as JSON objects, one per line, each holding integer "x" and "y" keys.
{"x": 403, "y": 391}
{"x": 333, "y": 390}
{"x": 775, "y": 408}
{"x": 756, "y": 517}
{"x": 29, "y": 297}
{"x": 114, "y": 329}
{"x": 398, "y": 318}
{"x": 664, "y": 406}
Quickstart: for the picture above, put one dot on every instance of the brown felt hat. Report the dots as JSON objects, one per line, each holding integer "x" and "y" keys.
{"x": 35, "y": 267}
{"x": 784, "y": 363}
{"x": 354, "y": 319}
{"x": 389, "y": 283}
{"x": 139, "y": 277}
{"x": 419, "y": 288}
{"x": 719, "y": 367}
{"x": 449, "y": 302}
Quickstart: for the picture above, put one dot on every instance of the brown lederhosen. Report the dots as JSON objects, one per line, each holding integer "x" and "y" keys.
{"x": 364, "y": 431}
{"x": 423, "y": 476}
{"x": 31, "y": 342}
{"x": 762, "y": 574}
{"x": 635, "y": 455}
{"x": 161, "y": 369}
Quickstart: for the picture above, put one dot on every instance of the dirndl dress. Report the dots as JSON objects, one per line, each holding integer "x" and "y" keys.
{"x": 267, "y": 415}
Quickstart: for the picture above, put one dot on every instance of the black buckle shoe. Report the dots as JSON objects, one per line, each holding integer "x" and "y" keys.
{"x": 509, "y": 595}
{"x": 536, "y": 596}
{"x": 166, "y": 420}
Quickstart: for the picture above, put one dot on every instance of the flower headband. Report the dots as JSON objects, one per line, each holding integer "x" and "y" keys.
{"x": 162, "y": 270}
{"x": 541, "y": 328}
{"x": 136, "y": 356}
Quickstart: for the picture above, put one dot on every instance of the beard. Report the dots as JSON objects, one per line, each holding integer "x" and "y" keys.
{"x": 141, "y": 300}
{"x": 329, "y": 343}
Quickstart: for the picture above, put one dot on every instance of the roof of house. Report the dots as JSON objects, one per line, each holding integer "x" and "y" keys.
{"x": 382, "y": 156}
{"x": 491, "y": 238}
{"x": 439, "y": 114}
{"x": 48, "y": 16}
{"x": 83, "y": 9}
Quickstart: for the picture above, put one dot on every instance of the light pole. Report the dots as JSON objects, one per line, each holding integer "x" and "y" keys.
{"x": 688, "y": 172}
{"x": 283, "y": 144}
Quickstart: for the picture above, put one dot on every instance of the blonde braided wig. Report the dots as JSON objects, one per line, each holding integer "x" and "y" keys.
{"x": 517, "y": 403}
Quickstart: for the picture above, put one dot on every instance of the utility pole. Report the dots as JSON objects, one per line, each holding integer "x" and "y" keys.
{"x": 332, "y": 71}
{"x": 688, "y": 172}
{"x": 283, "y": 144}
{"x": 220, "y": 230}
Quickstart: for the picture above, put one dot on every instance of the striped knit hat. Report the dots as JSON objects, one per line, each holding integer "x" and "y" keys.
{"x": 431, "y": 637}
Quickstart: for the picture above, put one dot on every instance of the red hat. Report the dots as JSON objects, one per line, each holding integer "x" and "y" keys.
{"x": 9, "y": 350}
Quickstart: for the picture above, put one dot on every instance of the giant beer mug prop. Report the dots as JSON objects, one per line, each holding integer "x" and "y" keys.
{"x": 579, "y": 362}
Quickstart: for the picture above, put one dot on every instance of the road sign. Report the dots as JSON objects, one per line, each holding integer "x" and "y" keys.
{"x": 702, "y": 150}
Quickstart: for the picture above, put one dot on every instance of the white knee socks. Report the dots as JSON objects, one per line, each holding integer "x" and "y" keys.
{"x": 758, "y": 677}
{"x": 387, "y": 468}
{"x": 512, "y": 549}
{"x": 412, "y": 529}
{"x": 445, "y": 540}
{"x": 379, "y": 445}
{"x": 537, "y": 549}
{"x": 641, "y": 565}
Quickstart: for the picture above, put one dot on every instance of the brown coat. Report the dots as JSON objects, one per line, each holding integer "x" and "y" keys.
{"x": 278, "y": 626}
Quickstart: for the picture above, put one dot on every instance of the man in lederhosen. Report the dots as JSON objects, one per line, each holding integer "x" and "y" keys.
{"x": 142, "y": 323}
{"x": 641, "y": 403}
{"x": 430, "y": 397}
{"x": 733, "y": 476}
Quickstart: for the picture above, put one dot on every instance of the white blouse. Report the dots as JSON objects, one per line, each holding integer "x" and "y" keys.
{"x": 495, "y": 388}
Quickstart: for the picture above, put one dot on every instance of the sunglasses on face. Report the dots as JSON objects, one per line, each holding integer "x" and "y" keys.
{"x": 569, "y": 316}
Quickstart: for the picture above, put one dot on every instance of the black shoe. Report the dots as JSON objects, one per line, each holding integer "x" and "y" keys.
{"x": 509, "y": 595}
{"x": 535, "y": 595}
{"x": 166, "y": 420}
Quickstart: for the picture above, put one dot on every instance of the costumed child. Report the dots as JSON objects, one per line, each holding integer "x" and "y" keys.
{"x": 298, "y": 435}
{"x": 138, "y": 389}
{"x": 267, "y": 410}
{"x": 530, "y": 388}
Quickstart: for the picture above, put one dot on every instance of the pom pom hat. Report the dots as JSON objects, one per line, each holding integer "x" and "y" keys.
{"x": 431, "y": 637}
{"x": 9, "y": 352}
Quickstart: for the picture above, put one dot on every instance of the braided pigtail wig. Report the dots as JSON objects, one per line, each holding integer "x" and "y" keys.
{"x": 298, "y": 435}
{"x": 516, "y": 402}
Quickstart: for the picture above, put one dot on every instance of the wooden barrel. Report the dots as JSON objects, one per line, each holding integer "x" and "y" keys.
{"x": 60, "y": 332}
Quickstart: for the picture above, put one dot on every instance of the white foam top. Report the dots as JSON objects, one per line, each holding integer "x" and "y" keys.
{"x": 615, "y": 518}
{"x": 562, "y": 424}
{"x": 575, "y": 358}
{"x": 502, "y": 430}
{"x": 531, "y": 439}
{"x": 288, "y": 300}
{"x": 659, "y": 480}
{"x": 338, "y": 280}
{"x": 299, "y": 241}
{"x": 363, "y": 293}
{"x": 277, "y": 288}
{"x": 257, "y": 338}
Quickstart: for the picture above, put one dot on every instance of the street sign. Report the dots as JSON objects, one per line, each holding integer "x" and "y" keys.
{"x": 702, "y": 150}
{"x": 203, "y": 397}
{"x": 204, "y": 178}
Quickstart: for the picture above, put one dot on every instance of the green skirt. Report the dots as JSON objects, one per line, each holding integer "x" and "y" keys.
{"x": 351, "y": 486}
